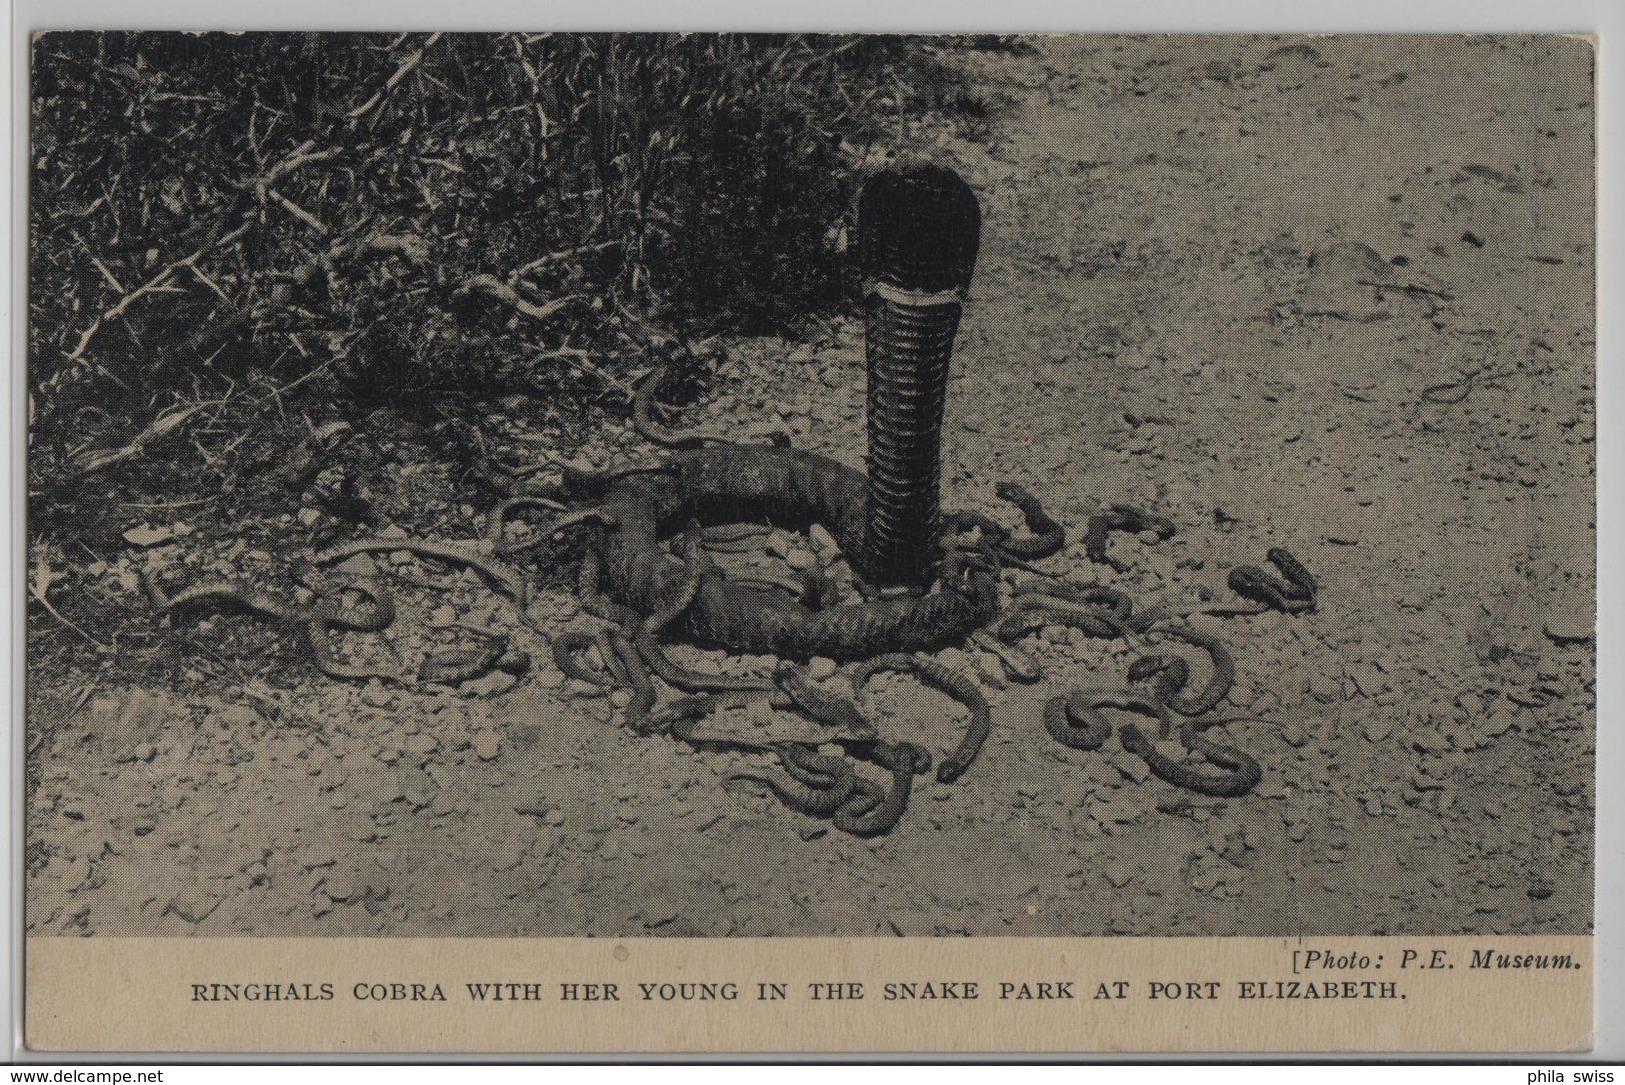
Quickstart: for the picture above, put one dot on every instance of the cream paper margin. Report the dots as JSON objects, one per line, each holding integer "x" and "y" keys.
{"x": 136, "y": 995}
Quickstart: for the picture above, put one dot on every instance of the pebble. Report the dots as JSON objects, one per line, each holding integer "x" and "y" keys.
{"x": 1119, "y": 811}
{"x": 1497, "y": 722}
{"x": 148, "y": 536}
{"x": 1570, "y": 628}
{"x": 820, "y": 668}
{"x": 486, "y": 745}
{"x": 192, "y": 904}
{"x": 822, "y": 541}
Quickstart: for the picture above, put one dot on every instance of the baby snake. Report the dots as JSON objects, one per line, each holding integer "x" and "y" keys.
{"x": 955, "y": 685}
{"x": 1296, "y": 595}
{"x": 315, "y": 622}
{"x": 1121, "y": 518}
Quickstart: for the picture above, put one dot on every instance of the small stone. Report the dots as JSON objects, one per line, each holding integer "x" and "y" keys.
{"x": 820, "y": 668}
{"x": 822, "y": 541}
{"x": 1120, "y": 811}
{"x": 555, "y": 817}
{"x": 376, "y": 695}
{"x": 799, "y": 560}
{"x": 489, "y": 685}
{"x": 1325, "y": 688}
{"x": 308, "y": 517}
{"x": 486, "y": 745}
{"x": 192, "y": 904}
{"x": 145, "y": 536}
{"x": 358, "y": 565}
{"x": 1378, "y": 729}
{"x": 1130, "y": 766}
{"x": 341, "y": 889}
{"x": 1569, "y": 630}
{"x": 1119, "y": 875}
{"x": 1297, "y": 832}
{"x": 705, "y": 664}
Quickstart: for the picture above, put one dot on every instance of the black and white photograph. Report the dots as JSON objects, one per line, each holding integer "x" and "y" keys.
{"x": 623, "y": 485}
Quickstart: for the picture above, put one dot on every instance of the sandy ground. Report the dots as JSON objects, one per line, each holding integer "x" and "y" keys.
{"x": 1216, "y": 280}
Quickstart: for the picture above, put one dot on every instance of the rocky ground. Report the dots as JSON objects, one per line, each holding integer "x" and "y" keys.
{"x": 1332, "y": 295}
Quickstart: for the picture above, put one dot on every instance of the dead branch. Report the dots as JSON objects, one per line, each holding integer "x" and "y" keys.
{"x": 298, "y": 212}
{"x": 411, "y": 62}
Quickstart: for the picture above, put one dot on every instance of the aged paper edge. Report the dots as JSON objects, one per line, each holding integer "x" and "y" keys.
{"x": 1040, "y": 995}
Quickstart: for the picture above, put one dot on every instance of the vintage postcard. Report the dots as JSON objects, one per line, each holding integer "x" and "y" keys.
{"x": 716, "y": 543}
